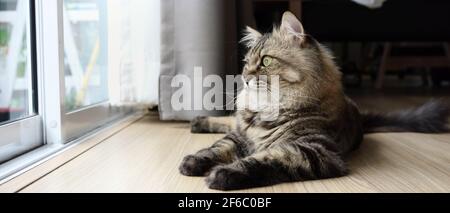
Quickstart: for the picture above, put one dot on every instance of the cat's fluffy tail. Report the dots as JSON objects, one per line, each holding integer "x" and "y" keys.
{"x": 432, "y": 117}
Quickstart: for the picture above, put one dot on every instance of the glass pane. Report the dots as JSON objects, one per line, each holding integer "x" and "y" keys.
{"x": 85, "y": 43}
{"x": 16, "y": 101}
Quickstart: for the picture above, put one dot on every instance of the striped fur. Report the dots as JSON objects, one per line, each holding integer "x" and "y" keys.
{"x": 316, "y": 128}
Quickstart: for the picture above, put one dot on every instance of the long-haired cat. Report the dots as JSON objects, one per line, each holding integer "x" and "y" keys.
{"x": 317, "y": 125}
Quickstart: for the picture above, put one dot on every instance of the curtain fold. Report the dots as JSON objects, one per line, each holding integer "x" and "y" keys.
{"x": 195, "y": 34}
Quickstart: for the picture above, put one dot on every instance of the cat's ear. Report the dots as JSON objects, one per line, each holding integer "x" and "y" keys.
{"x": 290, "y": 25}
{"x": 251, "y": 36}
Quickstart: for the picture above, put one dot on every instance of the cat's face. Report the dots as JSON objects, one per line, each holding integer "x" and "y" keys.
{"x": 301, "y": 64}
{"x": 286, "y": 52}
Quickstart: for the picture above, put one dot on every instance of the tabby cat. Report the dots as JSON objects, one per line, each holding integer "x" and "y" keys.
{"x": 317, "y": 124}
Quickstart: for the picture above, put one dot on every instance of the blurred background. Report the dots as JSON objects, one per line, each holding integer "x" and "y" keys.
{"x": 392, "y": 53}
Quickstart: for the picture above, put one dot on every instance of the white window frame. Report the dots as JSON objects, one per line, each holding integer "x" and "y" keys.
{"x": 20, "y": 136}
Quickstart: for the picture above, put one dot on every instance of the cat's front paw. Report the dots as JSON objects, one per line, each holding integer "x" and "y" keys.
{"x": 226, "y": 178}
{"x": 195, "y": 166}
{"x": 199, "y": 125}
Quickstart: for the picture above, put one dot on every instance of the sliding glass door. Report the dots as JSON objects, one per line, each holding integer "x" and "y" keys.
{"x": 78, "y": 101}
{"x": 54, "y": 77}
{"x": 20, "y": 120}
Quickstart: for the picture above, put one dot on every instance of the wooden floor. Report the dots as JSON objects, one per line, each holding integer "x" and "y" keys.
{"x": 144, "y": 157}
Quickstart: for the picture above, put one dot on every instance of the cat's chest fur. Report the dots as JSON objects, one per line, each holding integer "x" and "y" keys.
{"x": 261, "y": 133}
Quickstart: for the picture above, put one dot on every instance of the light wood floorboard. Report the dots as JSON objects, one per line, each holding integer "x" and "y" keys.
{"x": 144, "y": 157}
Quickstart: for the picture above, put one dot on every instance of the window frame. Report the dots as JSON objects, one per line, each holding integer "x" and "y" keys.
{"x": 25, "y": 134}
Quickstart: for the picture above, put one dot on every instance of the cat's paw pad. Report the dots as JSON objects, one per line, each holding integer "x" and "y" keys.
{"x": 199, "y": 125}
{"x": 223, "y": 178}
{"x": 195, "y": 166}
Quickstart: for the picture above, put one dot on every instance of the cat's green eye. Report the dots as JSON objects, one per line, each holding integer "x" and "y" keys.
{"x": 267, "y": 61}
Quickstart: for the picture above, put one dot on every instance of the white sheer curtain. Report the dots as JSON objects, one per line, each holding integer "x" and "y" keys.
{"x": 134, "y": 51}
